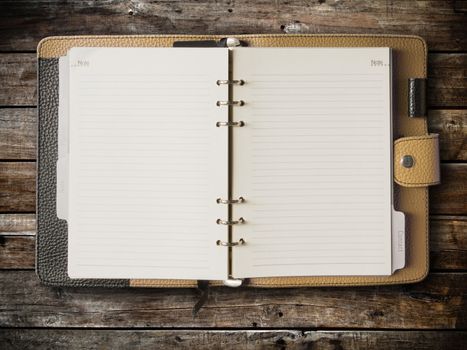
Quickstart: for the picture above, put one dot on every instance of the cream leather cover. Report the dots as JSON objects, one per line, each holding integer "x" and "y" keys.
{"x": 424, "y": 152}
{"x": 411, "y": 193}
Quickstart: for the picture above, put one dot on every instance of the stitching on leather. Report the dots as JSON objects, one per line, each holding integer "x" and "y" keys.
{"x": 410, "y": 139}
{"x": 244, "y": 36}
{"x": 96, "y": 37}
{"x": 427, "y": 228}
{"x": 407, "y": 279}
{"x": 417, "y": 184}
{"x": 413, "y": 277}
{"x": 158, "y": 284}
{"x": 170, "y": 283}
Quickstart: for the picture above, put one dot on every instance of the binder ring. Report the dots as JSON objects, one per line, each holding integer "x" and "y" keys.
{"x": 230, "y": 82}
{"x": 230, "y": 222}
{"x": 240, "y": 124}
{"x": 230, "y": 103}
{"x": 230, "y": 201}
{"x": 241, "y": 241}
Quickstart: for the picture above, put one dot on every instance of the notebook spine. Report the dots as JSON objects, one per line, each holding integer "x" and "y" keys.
{"x": 230, "y": 222}
{"x": 230, "y": 103}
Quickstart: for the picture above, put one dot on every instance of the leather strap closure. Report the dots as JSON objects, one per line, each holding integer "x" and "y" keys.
{"x": 416, "y": 161}
{"x": 417, "y": 97}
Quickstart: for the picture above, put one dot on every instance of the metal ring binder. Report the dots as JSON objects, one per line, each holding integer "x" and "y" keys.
{"x": 230, "y": 281}
{"x": 240, "y": 124}
{"x": 230, "y": 82}
{"x": 230, "y": 103}
{"x": 241, "y": 241}
{"x": 230, "y": 222}
{"x": 230, "y": 201}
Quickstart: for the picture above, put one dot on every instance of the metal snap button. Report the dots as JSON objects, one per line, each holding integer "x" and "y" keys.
{"x": 407, "y": 161}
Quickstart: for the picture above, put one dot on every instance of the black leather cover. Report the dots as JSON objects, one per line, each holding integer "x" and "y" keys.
{"x": 51, "y": 246}
{"x": 417, "y": 97}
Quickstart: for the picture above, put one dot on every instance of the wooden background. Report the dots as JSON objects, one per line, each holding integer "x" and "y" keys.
{"x": 430, "y": 314}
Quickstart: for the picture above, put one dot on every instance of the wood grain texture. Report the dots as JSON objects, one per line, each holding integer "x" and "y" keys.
{"x": 17, "y": 224}
{"x": 17, "y": 186}
{"x": 437, "y": 302}
{"x": 68, "y": 339}
{"x": 451, "y": 125}
{"x": 447, "y": 80}
{"x": 449, "y": 198}
{"x": 17, "y": 252}
{"x": 17, "y": 241}
{"x": 24, "y": 23}
{"x": 19, "y": 77}
{"x": 460, "y": 6}
{"x": 18, "y": 133}
{"x": 17, "y": 189}
{"x": 448, "y": 242}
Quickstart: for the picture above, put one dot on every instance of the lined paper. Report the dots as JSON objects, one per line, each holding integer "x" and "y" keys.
{"x": 146, "y": 163}
{"x": 313, "y": 162}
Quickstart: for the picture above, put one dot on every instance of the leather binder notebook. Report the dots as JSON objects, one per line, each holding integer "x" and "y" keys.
{"x": 267, "y": 166}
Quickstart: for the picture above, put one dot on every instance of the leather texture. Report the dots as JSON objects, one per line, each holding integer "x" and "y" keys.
{"x": 51, "y": 243}
{"x": 409, "y": 61}
{"x": 417, "y": 97}
{"x": 424, "y": 151}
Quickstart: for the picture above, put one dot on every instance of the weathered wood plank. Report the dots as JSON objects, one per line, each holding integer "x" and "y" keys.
{"x": 460, "y": 6}
{"x": 37, "y": 339}
{"x": 17, "y": 186}
{"x": 451, "y": 125}
{"x": 24, "y": 23}
{"x": 19, "y": 77}
{"x": 390, "y": 340}
{"x": 18, "y": 133}
{"x": 17, "y": 224}
{"x": 17, "y": 241}
{"x": 437, "y": 302}
{"x": 17, "y": 252}
{"x": 448, "y": 242}
{"x": 447, "y": 80}
{"x": 449, "y": 198}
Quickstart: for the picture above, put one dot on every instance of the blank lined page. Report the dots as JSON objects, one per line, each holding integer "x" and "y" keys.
{"x": 147, "y": 163}
{"x": 313, "y": 161}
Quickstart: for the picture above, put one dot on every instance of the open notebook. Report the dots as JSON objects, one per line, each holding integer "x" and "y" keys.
{"x": 176, "y": 164}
